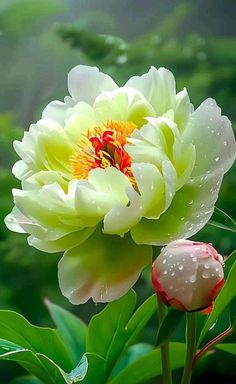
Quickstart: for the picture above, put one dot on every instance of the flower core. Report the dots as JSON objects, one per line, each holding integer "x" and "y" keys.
{"x": 102, "y": 147}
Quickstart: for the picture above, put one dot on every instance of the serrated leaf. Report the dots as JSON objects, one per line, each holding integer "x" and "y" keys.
{"x": 169, "y": 325}
{"x": 71, "y": 329}
{"x": 227, "y": 293}
{"x": 149, "y": 366}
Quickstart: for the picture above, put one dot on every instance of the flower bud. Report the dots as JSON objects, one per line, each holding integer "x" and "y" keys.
{"x": 188, "y": 275}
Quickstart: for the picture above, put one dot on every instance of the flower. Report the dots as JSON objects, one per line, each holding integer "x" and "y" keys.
{"x": 188, "y": 275}
{"x": 111, "y": 171}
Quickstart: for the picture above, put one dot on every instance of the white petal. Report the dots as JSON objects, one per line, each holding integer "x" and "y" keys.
{"x": 213, "y": 138}
{"x": 86, "y": 83}
{"x": 158, "y": 87}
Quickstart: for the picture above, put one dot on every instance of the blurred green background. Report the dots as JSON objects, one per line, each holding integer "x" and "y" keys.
{"x": 40, "y": 41}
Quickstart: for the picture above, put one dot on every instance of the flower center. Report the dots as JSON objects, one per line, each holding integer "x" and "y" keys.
{"x": 103, "y": 147}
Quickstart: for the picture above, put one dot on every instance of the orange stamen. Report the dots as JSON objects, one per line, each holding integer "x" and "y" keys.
{"x": 103, "y": 147}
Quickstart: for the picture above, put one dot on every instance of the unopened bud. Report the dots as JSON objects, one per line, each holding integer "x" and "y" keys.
{"x": 188, "y": 275}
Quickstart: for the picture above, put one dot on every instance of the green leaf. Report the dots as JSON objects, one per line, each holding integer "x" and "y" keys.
{"x": 71, "y": 329}
{"x": 26, "y": 380}
{"x": 42, "y": 366}
{"x": 139, "y": 319}
{"x": 149, "y": 366}
{"x": 80, "y": 371}
{"x": 227, "y": 293}
{"x": 96, "y": 370}
{"x": 229, "y": 262}
{"x": 114, "y": 329}
{"x": 222, "y": 220}
{"x": 106, "y": 331}
{"x": 169, "y": 325}
{"x": 16, "y": 329}
{"x": 32, "y": 363}
{"x": 230, "y": 348}
{"x": 133, "y": 353}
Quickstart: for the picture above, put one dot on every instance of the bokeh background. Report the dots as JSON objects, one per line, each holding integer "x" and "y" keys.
{"x": 40, "y": 41}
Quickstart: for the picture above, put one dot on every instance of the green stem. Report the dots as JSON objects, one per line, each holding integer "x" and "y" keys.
{"x": 191, "y": 347}
{"x": 165, "y": 356}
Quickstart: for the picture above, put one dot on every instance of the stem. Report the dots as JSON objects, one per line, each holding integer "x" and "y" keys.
{"x": 165, "y": 356}
{"x": 211, "y": 343}
{"x": 191, "y": 347}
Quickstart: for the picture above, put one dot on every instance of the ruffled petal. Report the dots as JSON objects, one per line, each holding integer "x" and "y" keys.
{"x": 189, "y": 211}
{"x": 103, "y": 267}
{"x": 158, "y": 87}
{"x": 45, "y": 147}
{"x": 86, "y": 83}
{"x": 57, "y": 110}
{"x": 213, "y": 138}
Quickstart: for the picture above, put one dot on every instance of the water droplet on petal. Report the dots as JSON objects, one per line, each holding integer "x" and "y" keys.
{"x": 164, "y": 261}
{"x": 205, "y": 274}
{"x": 172, "y": 273}
{"x": 190, "y": 202}
{"x": 217, "y": 159}
{"x": 192, "y": 279}
{"x": 181, "y": 267}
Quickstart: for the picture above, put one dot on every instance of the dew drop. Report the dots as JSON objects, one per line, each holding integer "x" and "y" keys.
{"x": 206, "y": 266}
{"x": 217, "y": 159}
{"x": 205, "y": 275}
{"x": 192, "y": 279}
{"x": 164, "y": 261}
{"x": 211, "y": 119}
{"x": 165, "y": 272}
{"x": 225, "y": 143}
{"x": 190, "y": 202}
{"x": 181, "y": 267}
{"x": 172, "y": 273}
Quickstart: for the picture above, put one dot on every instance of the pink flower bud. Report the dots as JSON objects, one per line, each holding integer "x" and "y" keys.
{"x": 188, "y": 275}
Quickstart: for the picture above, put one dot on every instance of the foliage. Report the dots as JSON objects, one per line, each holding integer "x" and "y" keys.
{"x": 40, "y": 53}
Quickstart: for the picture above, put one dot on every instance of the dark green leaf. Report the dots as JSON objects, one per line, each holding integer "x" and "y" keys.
{"x": 229, "y": 262}
{"x": 149, "y": 366}
{"x": 169, "y": 325}
{"x": 26, "y": 380}
{"x": 222, "y": 220}
{"x": 71, "y": 329}
{"x": 230, "y": 348}
{"x": 227, "y": 293}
